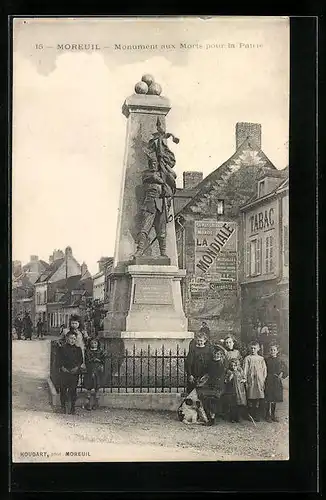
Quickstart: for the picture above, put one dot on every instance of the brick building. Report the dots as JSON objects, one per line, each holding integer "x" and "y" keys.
{"x": 67, "y": 297}
{"x": 100, "y": 279}
{"x": 265, "y": 275}
{"x": 23, "y": 279}
{"x": 209, "y": 239}
{"x": 62, "y": 266}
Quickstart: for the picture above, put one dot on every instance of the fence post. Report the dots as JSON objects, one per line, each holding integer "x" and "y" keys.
{"x": 148, "y": 356}
{"x": 170, "y": 372}
{"x": 141, "y": 370}
{"x": 155, "y": 371}
{"x": 184, "y": 371}
{"x": 118, "y": 372}
{"x": 178, "y": 360}
{"x": 162, "y": 390}
{"x": 133, "y": 368}
{"x": 126, "y": 354}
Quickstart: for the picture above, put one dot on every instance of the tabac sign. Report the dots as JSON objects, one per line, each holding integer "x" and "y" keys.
{"x": 216, "y": 250}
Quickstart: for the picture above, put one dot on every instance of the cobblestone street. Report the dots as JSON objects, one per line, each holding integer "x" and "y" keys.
{"x": 123, "y": 435}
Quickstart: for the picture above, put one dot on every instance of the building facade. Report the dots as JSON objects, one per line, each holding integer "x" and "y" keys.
{"x": 63, "y": 265}
{"x": 209, "y": 236}
{"x": 23, "y": 279}
{"x": 67, "y": 297}
{"x": 264, "y": 276}
{"x": 100, "y": 279}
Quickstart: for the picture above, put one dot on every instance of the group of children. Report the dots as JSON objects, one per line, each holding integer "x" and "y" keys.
{"x": 224, "y": 384}
{"x": 79, "y": 356}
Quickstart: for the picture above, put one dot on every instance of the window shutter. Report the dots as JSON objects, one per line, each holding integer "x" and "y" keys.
{"x": 286, "y": 245}
{"x": 267, "y": 255}
{"x": 271, "y": 256}
{"x": 247, "y": 259}
{"x": 259, "y": 255}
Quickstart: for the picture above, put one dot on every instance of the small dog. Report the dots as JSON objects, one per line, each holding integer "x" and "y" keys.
{"x": 188, "y": 411}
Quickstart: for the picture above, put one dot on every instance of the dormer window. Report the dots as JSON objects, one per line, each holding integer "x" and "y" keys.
{"x": 220, "y": 207}
{"x": 261, "y": 189}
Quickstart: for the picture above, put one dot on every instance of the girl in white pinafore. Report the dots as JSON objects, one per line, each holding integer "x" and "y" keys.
{"x": 255, "y": 372}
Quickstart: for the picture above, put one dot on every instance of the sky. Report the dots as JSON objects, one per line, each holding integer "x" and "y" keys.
{"x": 69, "y": 131}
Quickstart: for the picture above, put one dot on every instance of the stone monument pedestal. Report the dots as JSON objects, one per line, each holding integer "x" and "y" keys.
{"x": 155, "y": 313}
{"x": 145, "y": 328}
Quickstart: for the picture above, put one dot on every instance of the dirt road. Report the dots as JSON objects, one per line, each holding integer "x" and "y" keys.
{"x": 41, "y": 435}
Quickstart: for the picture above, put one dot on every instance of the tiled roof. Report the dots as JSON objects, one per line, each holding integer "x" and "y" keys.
{"x": 282, "y": 183}
{"x": 53, "y": 267}
{"x": 248, "y": 154}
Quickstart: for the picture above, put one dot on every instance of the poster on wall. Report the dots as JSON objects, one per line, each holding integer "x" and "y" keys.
{"x": 216, "y": 251}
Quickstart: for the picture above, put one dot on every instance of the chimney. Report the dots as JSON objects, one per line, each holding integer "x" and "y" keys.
{"x": 34, "y": 258}
{"x": 57, "y": 254}
{"x": 245, "y": 130}
{"x": 191, "y": 179}
{"x": 68, "y": 252}
{"x": 102, "y": 263}
{"x": 17, "y": 267}
{"x": 83, "y": 268}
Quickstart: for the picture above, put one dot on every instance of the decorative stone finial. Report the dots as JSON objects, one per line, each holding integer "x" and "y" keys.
{"x": 154, "y": 89}
{"x": 149, "y": 79}
{"x": 147, "y": 85}
{"x": 141, "y": 88}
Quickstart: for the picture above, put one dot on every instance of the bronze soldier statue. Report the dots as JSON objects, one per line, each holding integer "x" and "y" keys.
{"x": 159, "y": 186}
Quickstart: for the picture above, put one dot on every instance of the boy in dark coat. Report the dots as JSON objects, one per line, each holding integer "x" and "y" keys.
{"x": 70, "y": 361}
{"x": 276, "y": 371}
{"x": 94, "y": 360}
{"x": 197, "y": 361}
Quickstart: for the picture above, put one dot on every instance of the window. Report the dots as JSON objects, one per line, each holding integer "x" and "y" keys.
{"x": 45, "y": 297}
{"x": 286, "y": 245}
{"x": 254, "y": 258}
{"x": 220, "y": 207}
{"x": 269, "y": 257}
{"x": 261, "y": 189}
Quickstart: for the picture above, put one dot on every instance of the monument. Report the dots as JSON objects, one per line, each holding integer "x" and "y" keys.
{"x": 145, "y": 304}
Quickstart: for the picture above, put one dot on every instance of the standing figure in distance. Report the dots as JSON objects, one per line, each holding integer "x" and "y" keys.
{"x": 28, "y": 326}
{"x": 39, "y": 328}
{"x": 19, "y": 326}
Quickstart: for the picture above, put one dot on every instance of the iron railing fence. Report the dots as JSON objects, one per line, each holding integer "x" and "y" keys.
{"x": 135, "y": 370}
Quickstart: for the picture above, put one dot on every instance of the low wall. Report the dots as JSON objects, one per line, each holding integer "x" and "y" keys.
{"x": 126, "y": 400}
